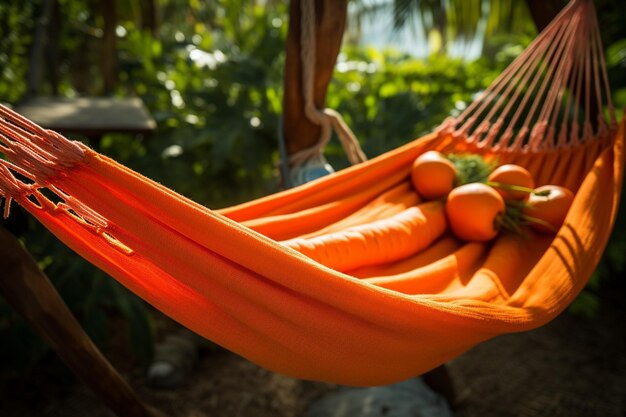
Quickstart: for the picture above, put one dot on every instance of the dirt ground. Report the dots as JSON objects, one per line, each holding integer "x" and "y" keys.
{"x": 572, "y": 367}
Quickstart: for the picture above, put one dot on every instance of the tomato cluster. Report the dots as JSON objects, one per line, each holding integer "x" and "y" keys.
{"x": 506, "y": 199}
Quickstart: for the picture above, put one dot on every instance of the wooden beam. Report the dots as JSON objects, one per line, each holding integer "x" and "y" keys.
{"x": 25, "y": 287}
{"x": 300, "y": 133}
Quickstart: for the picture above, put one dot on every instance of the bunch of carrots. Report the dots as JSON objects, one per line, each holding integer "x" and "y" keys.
{"x": 481, "y": 201}
{"x": 461, "y": 193}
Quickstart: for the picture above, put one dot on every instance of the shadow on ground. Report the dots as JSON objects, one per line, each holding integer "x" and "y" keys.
{"x": 572, "y": 367}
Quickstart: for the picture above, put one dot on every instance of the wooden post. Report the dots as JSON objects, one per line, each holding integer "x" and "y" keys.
{"x": 300, "y": 133}
{"x": 24, "y": 286}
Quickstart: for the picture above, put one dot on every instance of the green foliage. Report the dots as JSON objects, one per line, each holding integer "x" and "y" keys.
{"x": 609, "y": 272}
{"x": 587, "y": 304}
{"x": 216, "y": 97}
{"x": 389, "y": 98}
{"x": 455, "y": 27}
{"x": 470, "y": 168}
{"x": 16, "y": 26}
{"x": 616, "y": 63}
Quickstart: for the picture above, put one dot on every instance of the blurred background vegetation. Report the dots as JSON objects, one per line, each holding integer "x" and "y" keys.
{"x": 211, "y": 75}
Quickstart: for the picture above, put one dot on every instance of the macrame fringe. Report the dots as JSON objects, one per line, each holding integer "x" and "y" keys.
{"x": 37, "y": 155}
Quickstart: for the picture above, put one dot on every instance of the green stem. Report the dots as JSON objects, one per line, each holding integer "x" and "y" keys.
{"x": 544, "y": 223}
{"x": 511, "y": 187}
{"x": 510, "y": 224}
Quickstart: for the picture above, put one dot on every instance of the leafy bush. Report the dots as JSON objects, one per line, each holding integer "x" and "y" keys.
{"x": 216, "y": 97}
{"x": 389, "y": 98}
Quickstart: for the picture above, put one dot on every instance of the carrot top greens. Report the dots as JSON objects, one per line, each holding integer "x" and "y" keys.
{"x": 471, "y": 168}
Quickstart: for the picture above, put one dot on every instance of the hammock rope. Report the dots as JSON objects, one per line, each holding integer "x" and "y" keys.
{"x": 565, "y": 63}
{"x": 327, "y": 119}
{"x": 234, "y": 277}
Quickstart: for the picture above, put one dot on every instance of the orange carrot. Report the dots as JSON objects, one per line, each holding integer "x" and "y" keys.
{"x": 447, "y": 272}
{"x": 287, "y": 226}
{"x": 381, "y": 241}
{"x": 391, "y": 202}
{"x": 438, "y": 250}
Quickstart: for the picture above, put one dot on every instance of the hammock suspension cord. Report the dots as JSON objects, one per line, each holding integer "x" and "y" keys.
{"x": 559, "y": 76}
{"x": 327, "y": 119}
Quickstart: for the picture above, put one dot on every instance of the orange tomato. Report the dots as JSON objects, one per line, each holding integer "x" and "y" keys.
{"x": 512, "y": 175}
{"x": 474, "y": 211}
{"x": 433, "y": 175}
{"x": 549, "y": 204}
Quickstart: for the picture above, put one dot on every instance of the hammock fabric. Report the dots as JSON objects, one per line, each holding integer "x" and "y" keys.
{"x": 234, "y": 276}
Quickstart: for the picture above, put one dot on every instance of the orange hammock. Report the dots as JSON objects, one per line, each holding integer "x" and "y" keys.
{"x": 384, "y": 312}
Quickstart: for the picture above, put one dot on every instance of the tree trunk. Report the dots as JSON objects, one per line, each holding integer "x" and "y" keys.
{"x": 330, "y": 20}
{"x": 28, "y": 290}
